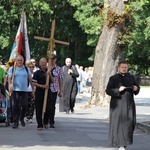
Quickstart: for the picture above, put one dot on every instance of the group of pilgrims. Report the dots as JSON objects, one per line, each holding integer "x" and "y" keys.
{"x": 27, "y": 84}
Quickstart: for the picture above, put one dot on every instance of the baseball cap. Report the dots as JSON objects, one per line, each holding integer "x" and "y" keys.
{"x": 54, "y": 56}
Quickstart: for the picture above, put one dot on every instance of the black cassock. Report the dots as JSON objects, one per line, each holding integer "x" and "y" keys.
{"x": 122, "y": 109}
{"x": 69, "y": 87}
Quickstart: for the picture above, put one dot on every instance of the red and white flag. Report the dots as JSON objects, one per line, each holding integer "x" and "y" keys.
{"x": 21, "y": 44}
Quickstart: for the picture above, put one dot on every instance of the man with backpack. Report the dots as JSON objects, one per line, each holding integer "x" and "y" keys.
{"x": 19, "y": 77}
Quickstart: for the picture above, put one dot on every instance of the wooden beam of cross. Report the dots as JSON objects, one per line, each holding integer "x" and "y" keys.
{"x": 52, "y": 42}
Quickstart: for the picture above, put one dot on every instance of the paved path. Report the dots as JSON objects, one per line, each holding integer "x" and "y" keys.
{"x": 86, "y": 129}
{"x": 142, "y": 101}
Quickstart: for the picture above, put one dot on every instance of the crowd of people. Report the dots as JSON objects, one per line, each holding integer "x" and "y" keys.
{"x": 26, "y": 85}
{"x": 84, "y": 81}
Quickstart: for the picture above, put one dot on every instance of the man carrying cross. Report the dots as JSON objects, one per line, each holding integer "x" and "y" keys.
{"x": 39, "y": 81}
{"x": 52, "y": 42}
{"x": 51, "y": 46}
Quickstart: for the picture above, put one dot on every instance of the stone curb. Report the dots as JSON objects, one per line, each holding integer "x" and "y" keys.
{"x": 144, "y": 126}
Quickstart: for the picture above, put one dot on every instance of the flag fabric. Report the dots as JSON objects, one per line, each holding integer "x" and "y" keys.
{"x": 21, "y": 43}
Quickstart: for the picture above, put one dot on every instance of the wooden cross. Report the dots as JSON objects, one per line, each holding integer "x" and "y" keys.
{"x": 52, "y": 42}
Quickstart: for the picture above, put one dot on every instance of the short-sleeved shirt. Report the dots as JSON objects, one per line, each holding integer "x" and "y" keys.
{"x": 21, "y": 77}
{"x": 57, "y": 74}
{"x": 39, "y": 77}
{"x": 2, "y": 74}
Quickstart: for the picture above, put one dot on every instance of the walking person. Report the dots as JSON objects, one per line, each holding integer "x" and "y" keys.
{"x": 122, "y": 87}
{"x": 39, "y": 81}
{"x": 70, "y": 89}
{"x": 85, "y": 78}
{"x": 30, "y": 111}
{"x": 89, "y": 79}
{"x": 56, "y": 88}
{"x": 79, "y": 78}
{"x": 18, "y": 78}
{"x": 82, "y": 82}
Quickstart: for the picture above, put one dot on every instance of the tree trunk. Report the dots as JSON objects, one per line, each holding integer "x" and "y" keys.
{"x": 107, "y": 53}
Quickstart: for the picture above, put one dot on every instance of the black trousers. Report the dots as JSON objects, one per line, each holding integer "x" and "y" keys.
{"x": 52, "y": 106}
{"x": 39, "y": 99}
{"x": 30, "y": 111}
{"x": 19, "y": 105}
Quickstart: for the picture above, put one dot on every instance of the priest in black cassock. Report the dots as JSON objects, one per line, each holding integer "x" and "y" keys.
{"x": 70, "y": 88}
{"x": 122, "y": 120}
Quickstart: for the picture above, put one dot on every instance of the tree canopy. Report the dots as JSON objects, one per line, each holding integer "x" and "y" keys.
{"x": 39, "y": 18}
{"x": 78, "y": 22}
{"x": 136, "y": 41}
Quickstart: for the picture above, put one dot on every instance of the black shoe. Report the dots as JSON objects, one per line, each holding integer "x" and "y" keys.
{"x": 72, "y": 110}
{"x": 52, "y": 126}
{"x": 22, "y": 123}
{"x": 15, "y": 125}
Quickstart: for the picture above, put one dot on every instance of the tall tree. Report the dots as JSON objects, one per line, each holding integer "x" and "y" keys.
{"x": 107, "y": 50}
{"x": 137, "y": 37}
{"x": 40, "y": 14}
